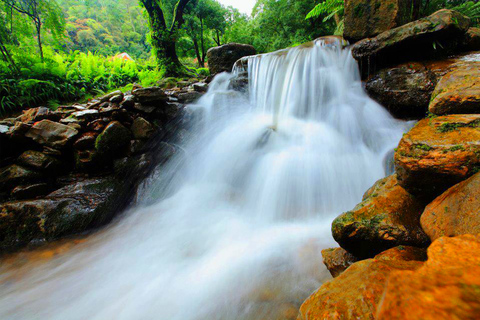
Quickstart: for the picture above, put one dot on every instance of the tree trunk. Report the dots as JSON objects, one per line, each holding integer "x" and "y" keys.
{"x": 202, "y": 61}
{"x": 38, "y": 26}
{"x": 417, "y": 6}
{"x": 164, "y": 38}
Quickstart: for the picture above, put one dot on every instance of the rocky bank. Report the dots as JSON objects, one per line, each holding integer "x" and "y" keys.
{"x": 410, "y": 249}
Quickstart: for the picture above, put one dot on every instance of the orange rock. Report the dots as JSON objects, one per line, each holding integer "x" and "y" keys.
{"x": 337, "y": 260}
{"x": 388, "y": 217}
{"x": 458, "y": 92}
{"x": 438, "y": 153}
{"x": 446, "y": 287}
{"x": 356, "y": 293}
{"x": 455, "y": 212}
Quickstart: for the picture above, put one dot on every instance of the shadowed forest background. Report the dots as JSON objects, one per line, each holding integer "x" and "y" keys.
{"x": 56, "y": 51}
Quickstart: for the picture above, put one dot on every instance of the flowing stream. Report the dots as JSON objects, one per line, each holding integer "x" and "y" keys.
{"x": 233, "y": 226}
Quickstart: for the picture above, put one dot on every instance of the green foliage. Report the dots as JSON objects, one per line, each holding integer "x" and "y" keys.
{"x": 471, "y": 9}
{"x": 328, "y": 9}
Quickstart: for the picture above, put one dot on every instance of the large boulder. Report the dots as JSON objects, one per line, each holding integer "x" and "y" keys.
{"x": 438, "y": 153}
{"x": 369, "y": 18}
{"x": 150, "y": 95}
{"x": 471, "y": 41}
{"x": 113, "y": 140}
{"x": 14, "y": 175}
{"x": 356, "y": 293}
{"x": 73, "y": 209}
{"x": 458, "y": 92}
{"x": 337, "y": 260}
{"x": 52, "y": 134}
{"x": 405, "y": 90}
{"x": 435, "y": 36}
{"x": 222, "y": 59}
{"x": 455, "y": 212}
{"x": 446, "y": 286}
{"x": 387, "y": 217}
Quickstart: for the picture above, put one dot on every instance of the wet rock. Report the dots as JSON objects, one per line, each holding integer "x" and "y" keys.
{"x": 189, "y": 97}
{"x": 40, "y": 161}
{"x": 37, "y": 114}
{"x": 387, "y": 217}
{"x": 445, "y": 287}
{"x": 144, "y": 108}
{"x": 109, "y": 96}
{"x": 222, "y": 59}
{"x": 356, "y": 293}
{"x": 51, "y": 134}
{"x": 15, "y": 175}
{"x": 405, "y": 90}
{"x": 200, "y": 87}
{"x": 458, "y": 92}
{"x": 31, "y": 191}
{"x": 438, "y": 153}
{"x": 455, "y": 212}
{"x": 142, "y": 129}
{"x": 88, "y": 161}
{"x": 88, "y": 114}
{"x": 149, "y": 95}
{"x": 337, "y": 260}
{"x": 471, "y": 41}
{"x": 113, "y": 140}
{"x": 116, "y": 98}
{"x": 134, "y": 167}
{"x": 435, "y": 36}
{"x": 128, "y": 102}
{"x": 367, "y": 19}
{"x": 98, "y": 125}
{"x": 86, "y": 141}
{"x": 69, "y": 210}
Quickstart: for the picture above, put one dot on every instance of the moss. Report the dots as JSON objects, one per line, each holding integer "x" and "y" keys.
{"x": 423, "y": 147}
{"x": 455, "y": 148}
{"x": 449, "y": 126}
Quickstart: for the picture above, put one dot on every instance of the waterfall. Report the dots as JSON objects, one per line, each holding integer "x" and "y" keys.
{"x": 233, "y": 226}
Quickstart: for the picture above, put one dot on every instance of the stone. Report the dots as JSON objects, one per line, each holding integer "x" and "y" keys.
{"x": 222, "y": 58}
{"x": 128, "y": 101}
{"x": 356, "y": 293}
{"x": 189, "y": 97}
{"x": 75, "y": 208}
{"x": 458, "y": 92}
{"x": 471, "y": 42}
{"x": 367, "y": 18}
{"x": 438, "y": 153}
{"x": 88, "y": 161}
{"x": 31, "y": 191}
{"x": 149, "y": 95}
{"x": 134, "y": 168}
{"x": 445, "y": 287}
{"x": 40, "y": 161}
{"x": 88, "y": 114}
{"x": 144, "y": 108}
{"x": 107, "y": 97}
{"x": 112, "y": 140}
{"x": 51, "y": 134}
{"x": 455, "y": 212}
{"x": 404, "y": 90}
{"x": 437, "y": 35}
{"x": 142, "y": 129}
{"x": 387, "y": 217}
{"x": 116, "y": 98}
{"x": 337, "y": 260}
{"x": 37, "y": 114}
{"x": 200, "y": 87}
{"x": 15, "y": 175}
{"x": 86, "y": 141}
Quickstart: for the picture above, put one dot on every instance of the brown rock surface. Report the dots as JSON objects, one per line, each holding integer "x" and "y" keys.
{"x": 387, "y": 217}
{"x": 366, "y": 18}
{"x": 455, "y": 212}
{"x": 446, "y": 287}
{"x": 438, "y": 153}
{"x": 356, "y": 293}
{"x": 51, "y": 134}
{"x": 337, "y": 260}
{"x": 458, "y": 92}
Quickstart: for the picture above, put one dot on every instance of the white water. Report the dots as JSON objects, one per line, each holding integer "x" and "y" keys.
{"x": 237, "y": 233}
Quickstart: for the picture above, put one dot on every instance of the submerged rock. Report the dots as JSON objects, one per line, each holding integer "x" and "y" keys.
{"x": 356, "y": 293}
{"x": 367, "y": 18}
{"x": 438, "y": 153}
{"x": 455, "y": 212}
{"x": 387, "y": 217}
{"x": 445, "y": 287}
{"x": 437, "y": 35}
{"x": 337, "y": 260}
{"x": 222, "y": 59}
{"x": 458, "y": 92}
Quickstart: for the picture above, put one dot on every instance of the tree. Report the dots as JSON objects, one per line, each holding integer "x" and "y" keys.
{"x": 164, "y": 35}
{"x": 40, "y": 12}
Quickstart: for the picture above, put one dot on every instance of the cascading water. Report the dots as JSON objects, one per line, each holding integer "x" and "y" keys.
{"x": 233, "y": 227}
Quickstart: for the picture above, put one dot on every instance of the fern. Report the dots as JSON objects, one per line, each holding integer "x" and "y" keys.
{"x": 470, "y": 9}
{"x": 327, "y": 8}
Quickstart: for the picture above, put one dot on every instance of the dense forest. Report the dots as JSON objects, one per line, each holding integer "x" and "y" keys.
{"x": 55, "y": 51}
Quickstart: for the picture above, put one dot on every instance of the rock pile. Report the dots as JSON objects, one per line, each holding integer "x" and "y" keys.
{"x": 66, "y": 171}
